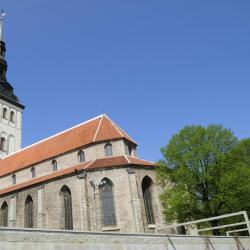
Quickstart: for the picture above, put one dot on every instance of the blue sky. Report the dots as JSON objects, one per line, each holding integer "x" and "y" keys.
{"x": 152, "y": 66}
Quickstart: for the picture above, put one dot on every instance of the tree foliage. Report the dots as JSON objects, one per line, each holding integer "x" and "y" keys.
{"x": 207, "y": 173}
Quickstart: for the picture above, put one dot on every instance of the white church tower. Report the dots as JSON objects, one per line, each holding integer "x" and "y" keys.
{"x": 10, "y": 107}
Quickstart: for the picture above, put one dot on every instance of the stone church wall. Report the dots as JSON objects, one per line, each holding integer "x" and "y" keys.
{"x": 129, "y": 205}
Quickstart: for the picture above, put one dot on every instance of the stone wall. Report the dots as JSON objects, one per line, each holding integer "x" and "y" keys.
{"x": 84, "y": 188}
{"x": 21, "y": 239}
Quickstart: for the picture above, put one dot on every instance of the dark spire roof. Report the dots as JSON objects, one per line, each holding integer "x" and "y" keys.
{"x": 6, "y": 90}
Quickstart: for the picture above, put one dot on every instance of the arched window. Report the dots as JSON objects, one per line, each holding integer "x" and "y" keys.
{"x": 54, "y": 165}
{"x": 81, "y": 156}
{"x": 12, "y": 116}
{"x": 107, "y": 203}
{"x": 2, "y": 143}
{"x": 5, "y": 112}
{"x": 4, "y": 215}
{"x": 67, "y": 218}
{"x": 33, "y": 172}
{"x": 13, "y": 179}
{"x": 108, "y": 150}
{"x": 147, "y": 197}
{"x": 29, "y": 213}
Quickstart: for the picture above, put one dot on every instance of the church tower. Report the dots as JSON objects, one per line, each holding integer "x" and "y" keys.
{"x": 10, "y": 107}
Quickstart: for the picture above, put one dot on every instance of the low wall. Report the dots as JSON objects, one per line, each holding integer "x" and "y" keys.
{"x": 25, "y": 239}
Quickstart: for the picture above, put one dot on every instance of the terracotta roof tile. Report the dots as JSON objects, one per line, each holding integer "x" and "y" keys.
{"x": 98, "y": 129}
{"x": 114, "y": 131}
{"x": 138, "y": 161}
{"x": 108, "y": 162}
{"x": 97, "y": 164}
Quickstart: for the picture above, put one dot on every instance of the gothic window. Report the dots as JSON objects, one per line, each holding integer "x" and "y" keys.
{"x": 12, "y": 116}
{"x": 107, "y": 203}
{"x": 33, "y": 172}
{"x": 67, "y": 217}
{"x": 29, "y": 213}
{"x": 81, "y": 156}
{"x": 4, "y": 215}
{"x": 147, "y": 197}
{"x": 108, "y": 150}
{"x": 13, "y": 179}
{"x": 2, "y": 143}
{"x": 54, "y": 165}
{"x": 5, "y": 111}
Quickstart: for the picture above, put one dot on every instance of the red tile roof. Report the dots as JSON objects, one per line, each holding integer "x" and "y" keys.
{"x": 119, "y": 161}
{"x": 95, "y": 130}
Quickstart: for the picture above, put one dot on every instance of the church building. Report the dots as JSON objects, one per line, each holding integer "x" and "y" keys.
{"x": 87, "y": 178}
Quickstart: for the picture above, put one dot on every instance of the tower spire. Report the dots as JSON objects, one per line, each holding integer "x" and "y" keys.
{"x": 2, "y": 14}
{"x": 6, "y": 90}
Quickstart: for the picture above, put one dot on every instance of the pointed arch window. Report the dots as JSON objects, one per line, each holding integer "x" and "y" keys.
{"x": 67, "y": 217}
{"x": 81, "y": 156}
{"x": 4, "y": 215}
{"x": 12, "y": 116}
{"x": 107, "y": 203}
{"x": 13, "y": 177}
{"x": 147, "y": 197}
{"x": 2, "y": 143}
{"x": 108, "y": 150}
{"x": 54, "y": 165}
{"x": 33, "y": 172}
{"x": 29, "y": 212}
{"x": 5, "y": 112}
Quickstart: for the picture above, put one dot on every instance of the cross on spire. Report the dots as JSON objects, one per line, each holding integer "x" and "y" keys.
{"x": 2, "y": 14}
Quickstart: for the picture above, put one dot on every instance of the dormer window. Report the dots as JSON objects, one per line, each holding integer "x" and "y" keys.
{"x": 108, "y": 150}
{"x": 12, "y": 116}
{"x": 54, "y": 165}
{"x": 81, "y": 156}
{"x": 5, "y": 111}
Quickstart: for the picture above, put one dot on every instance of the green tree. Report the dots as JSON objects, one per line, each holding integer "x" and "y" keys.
{"x": 206, "y": 172}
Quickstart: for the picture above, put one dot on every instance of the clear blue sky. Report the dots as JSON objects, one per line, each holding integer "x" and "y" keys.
{"x": 152, "y": 66}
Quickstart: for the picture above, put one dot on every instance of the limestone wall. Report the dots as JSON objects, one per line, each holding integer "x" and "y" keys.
{"x": 128, "y": 201}
{"x": 23, "y": 239}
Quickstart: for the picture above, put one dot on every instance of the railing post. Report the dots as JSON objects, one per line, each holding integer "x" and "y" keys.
{"x": 247, "y": 221}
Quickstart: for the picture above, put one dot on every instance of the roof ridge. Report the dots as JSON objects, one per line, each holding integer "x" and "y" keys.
{"x": 90, "y": 163}
{"x": 117, "y": 127}
{"x": 114, "y": 125}
{"x": 50, "y": 137}
{"x": 97, "y": 130}
{"x": 126, "y": 157}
